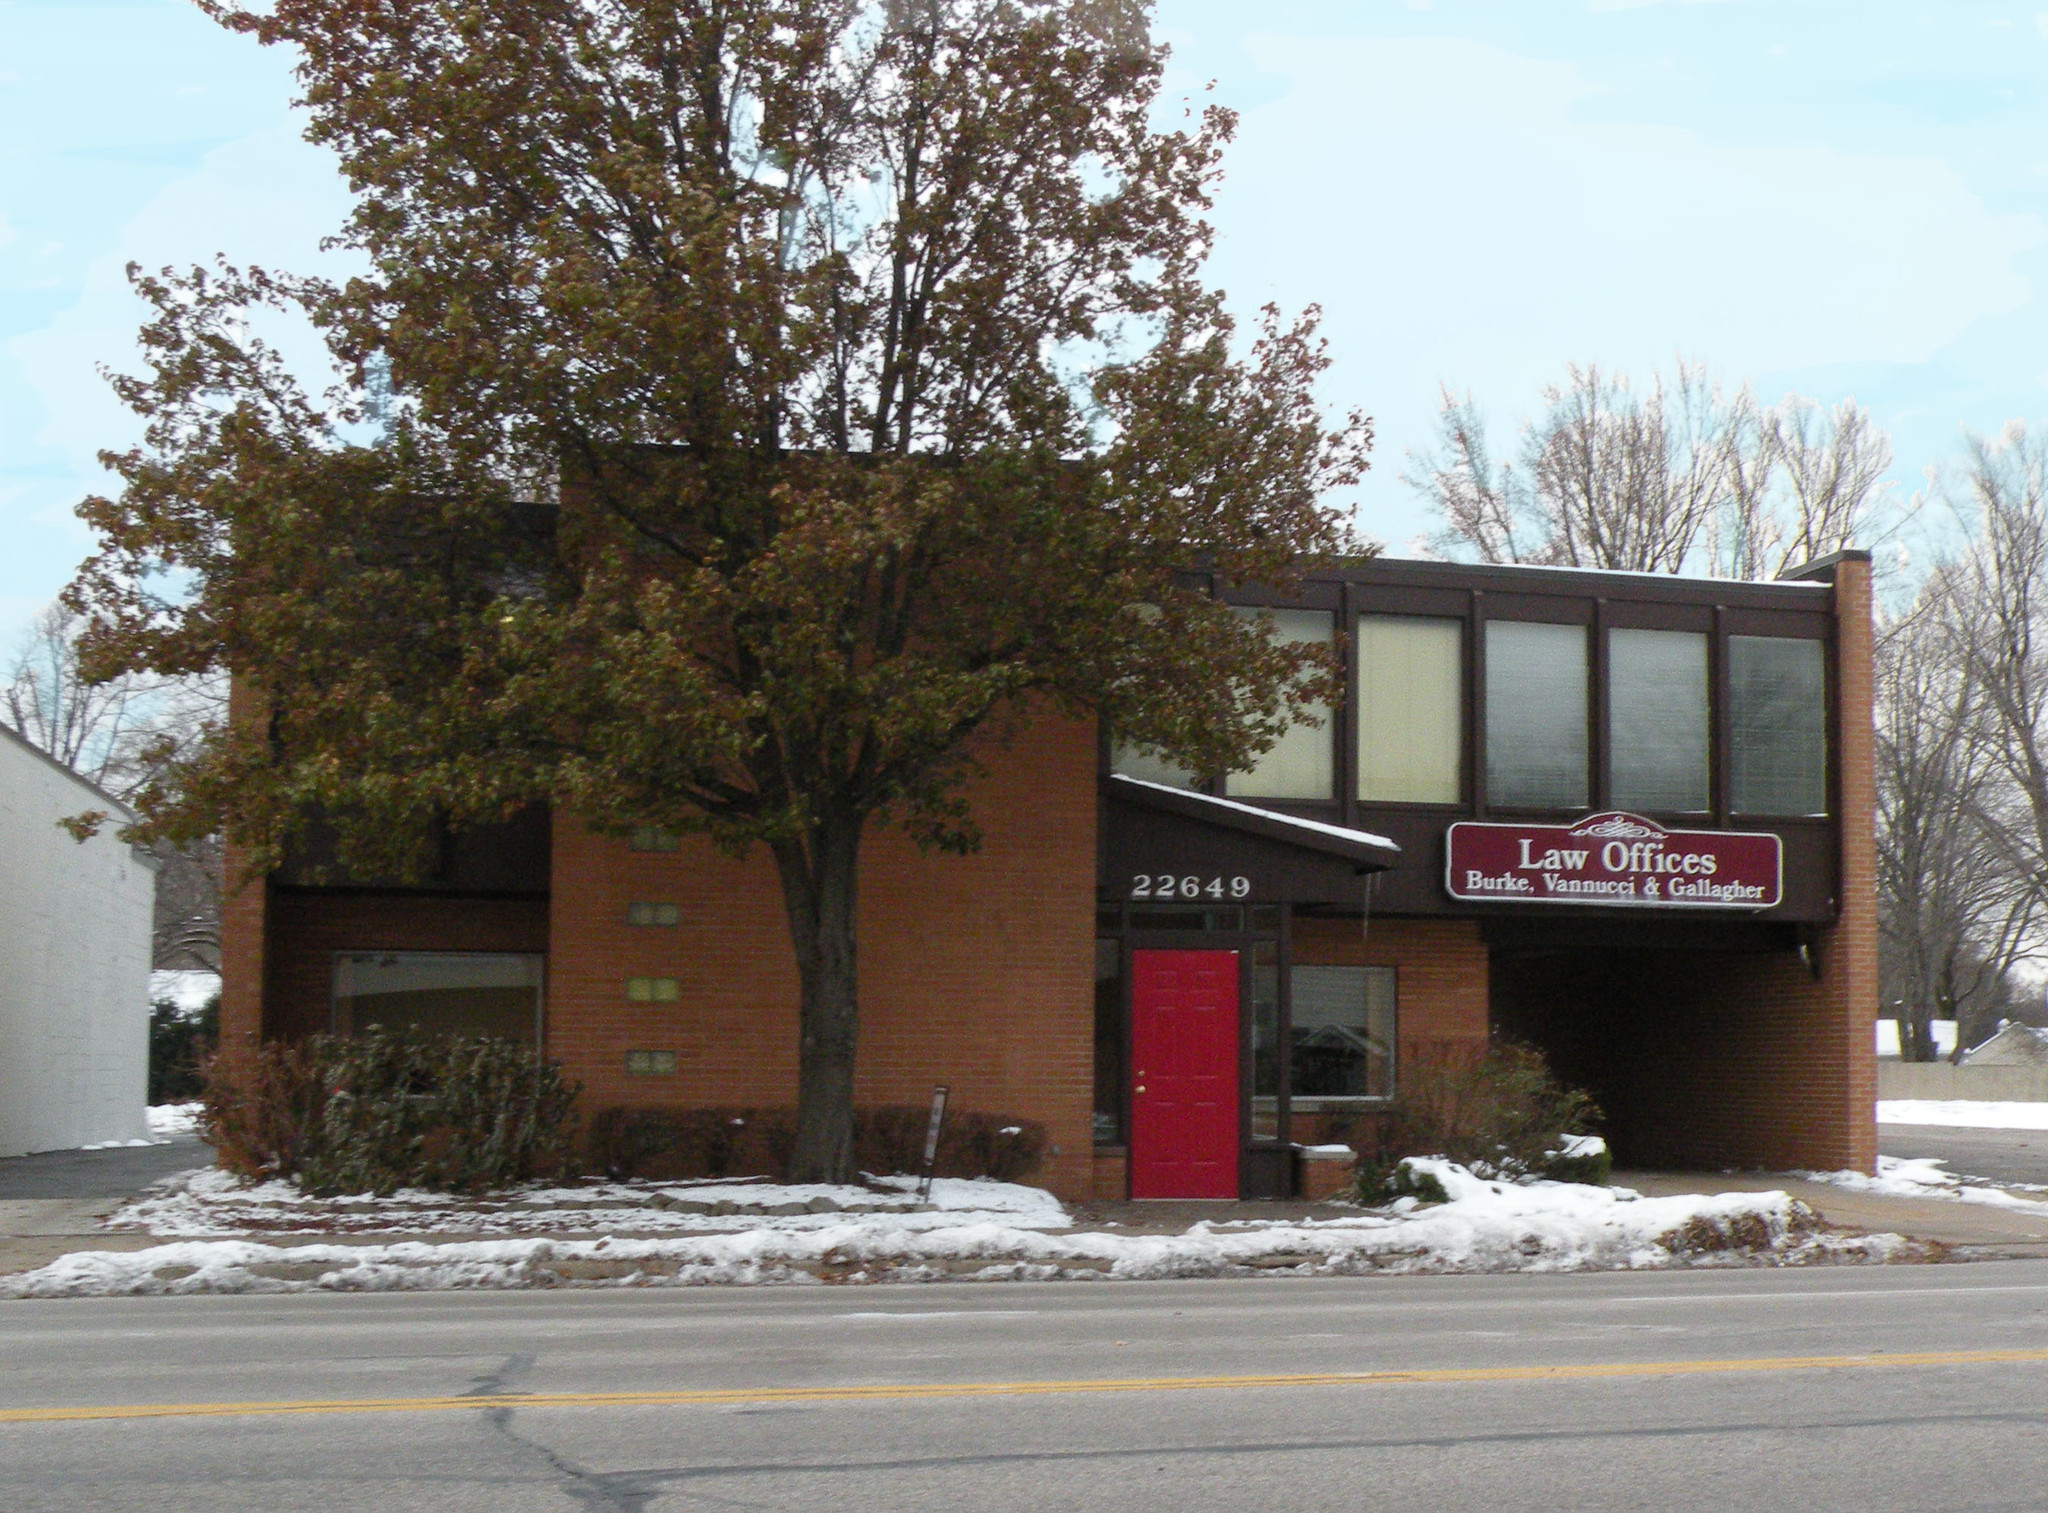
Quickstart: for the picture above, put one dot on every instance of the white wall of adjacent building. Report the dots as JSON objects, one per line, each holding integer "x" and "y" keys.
{"x": 75, "y": 923}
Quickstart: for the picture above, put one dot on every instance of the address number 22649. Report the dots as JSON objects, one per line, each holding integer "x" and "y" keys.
{"x": 1169, "y": 885}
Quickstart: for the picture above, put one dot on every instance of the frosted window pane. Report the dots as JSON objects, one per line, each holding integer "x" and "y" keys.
{"x": 1777, "y": 709}
{"x": 1302, "y": 764}
{"x": 1535, "y": 715}
{"x": 1411, "y": 724}
{"x": 1657, "y": 719}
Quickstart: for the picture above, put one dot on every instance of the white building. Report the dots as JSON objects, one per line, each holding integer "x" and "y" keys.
{"x": 75, "y": 920}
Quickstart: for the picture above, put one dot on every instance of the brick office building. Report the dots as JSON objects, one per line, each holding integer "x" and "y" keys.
{"x": 1624, "y": 817}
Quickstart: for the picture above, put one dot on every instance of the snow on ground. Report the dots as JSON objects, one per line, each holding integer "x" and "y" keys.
{"x": 190, "y": 991}
{"x": 1963, "y": 1113}
{"x": 213, "y": 1203}
{"x": 1924, "y": 1178}
{"x": 973, "y": 1231}
{"x": 1888, "y": 1037}
{"x": 168, "y": 1119}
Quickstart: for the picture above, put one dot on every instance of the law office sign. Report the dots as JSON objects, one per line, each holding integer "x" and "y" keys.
{"x": 1613, "y": 860}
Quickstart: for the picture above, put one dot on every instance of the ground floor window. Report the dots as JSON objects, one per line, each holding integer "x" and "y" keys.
{"x": 1340, "y": 1035}
{"x": 439, "y": 993}
{"x": 1265, "y": 1017}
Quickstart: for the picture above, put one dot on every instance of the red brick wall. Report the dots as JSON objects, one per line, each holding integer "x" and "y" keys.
{"x": 243, "y": 924}
{"x": 1711, "y": 1060}
{"x": 306, "y": 929}
{"x": 1441, "y": 969}
{"x": 1841, "y": 1092}
{"x": 976, "y": 970}
{"x": 243, "y": 927}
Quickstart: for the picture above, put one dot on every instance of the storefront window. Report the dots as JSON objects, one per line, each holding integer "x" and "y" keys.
{"x": 1341, "y": 1034}
{"x": 1777, "y": 708}
{"x": 1302, "y": 764}
{"x": 1535, "y": 715}
{"x": 1657, "y": 719}
{"x": 1265, "y": 1042}
{"x": 1411, "y": 713}
{"x": 1109, "y": 1043}
{"x": 438, "y": 993}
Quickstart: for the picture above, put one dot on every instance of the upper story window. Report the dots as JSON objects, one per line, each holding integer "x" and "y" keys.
{"x": 1146, "y": 764}
{"x": 1301, "y": 765}
{"x": 1777, "y": 725}
{"x": 1411, "y": 709}
{"x": 1657, "y": 720}
{"x": 1535, "y": 715}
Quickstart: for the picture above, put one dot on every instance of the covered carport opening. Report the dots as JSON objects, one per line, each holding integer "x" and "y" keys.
{"x": 1701, "y": 1040}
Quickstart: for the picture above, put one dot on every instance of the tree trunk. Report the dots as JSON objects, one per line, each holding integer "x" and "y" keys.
{"x": 820, "y": 881}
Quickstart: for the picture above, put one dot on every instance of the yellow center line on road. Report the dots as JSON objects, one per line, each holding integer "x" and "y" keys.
{"x": 705, "y": 1397}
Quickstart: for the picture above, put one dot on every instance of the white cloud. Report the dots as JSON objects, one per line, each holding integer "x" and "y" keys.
{"x": 265, "y": 199}
{"x": 1461, "y": 218}
{"x": 2041, "y": 22}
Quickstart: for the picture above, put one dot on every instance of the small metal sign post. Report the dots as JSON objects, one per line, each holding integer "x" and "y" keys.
{"x": 931, "y": 1141}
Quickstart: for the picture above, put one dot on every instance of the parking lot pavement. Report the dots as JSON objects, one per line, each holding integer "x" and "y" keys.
{"x": 113, "y": 1173}
{"x": 1997, "y": 1155}
{"x": 52, "y": 1202}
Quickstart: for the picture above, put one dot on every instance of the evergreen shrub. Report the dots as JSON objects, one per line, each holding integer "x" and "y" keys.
{"x": 377, "y": 1112}
{"x": 687, "y": 1143}
{"x": 1378, "y": 1185}
{"x": 178, "y": 1044}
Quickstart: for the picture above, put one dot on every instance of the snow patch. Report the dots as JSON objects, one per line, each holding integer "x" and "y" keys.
{"x": 215, "y": 1203}
{"x": 188, "y": 991}
{"x": 973, "y": 1231}
{"x": 1923, "y": 1177}
{"x": 169, "y": 1119}
{"x": 1963, "y": 1113}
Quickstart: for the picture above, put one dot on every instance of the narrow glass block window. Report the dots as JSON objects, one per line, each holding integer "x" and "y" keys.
{"x": 1266, "y": 1041}
{"x": 438, "y": 993}
{"x": 1411, "y": 709}
{"x": 1657, "y": 723}
{"x": 654, "y": 838}
{"x": 1302, "y": 764}
{"x": 1777, "y": 716}
{"x": 653, "y": 914}
{"x": 651, "y": 1063}
{"x": 652, "y": 990}
{"x": 1341, "y": 1034}
{"x": 1535, "y": 715}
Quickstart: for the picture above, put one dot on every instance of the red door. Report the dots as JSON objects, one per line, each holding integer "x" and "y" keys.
{"x": 1184, "y": 1133}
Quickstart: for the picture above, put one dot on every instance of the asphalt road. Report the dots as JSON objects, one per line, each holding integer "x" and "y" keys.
{"x": 2002, "y": 1155}
{"x": 1672, "y": 1391}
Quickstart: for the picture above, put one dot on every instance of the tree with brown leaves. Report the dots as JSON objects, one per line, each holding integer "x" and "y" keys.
{"x": 774, "y": 398}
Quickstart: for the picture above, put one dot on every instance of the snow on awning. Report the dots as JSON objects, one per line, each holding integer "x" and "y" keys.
{"x": 1363, "y": 849}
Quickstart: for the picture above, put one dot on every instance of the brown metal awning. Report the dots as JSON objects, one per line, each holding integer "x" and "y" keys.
{"x": 1152, "y": 831}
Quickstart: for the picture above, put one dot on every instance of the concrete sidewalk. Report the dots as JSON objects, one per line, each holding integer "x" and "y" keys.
{"x": 51, "y": 1203}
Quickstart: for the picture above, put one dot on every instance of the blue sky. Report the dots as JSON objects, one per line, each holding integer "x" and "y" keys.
{"x": 1833, "y": 198}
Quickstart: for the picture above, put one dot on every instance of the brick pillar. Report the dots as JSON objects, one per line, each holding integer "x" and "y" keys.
{"x": 243, "y": 924}
{"x": 1848, "y": 952}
